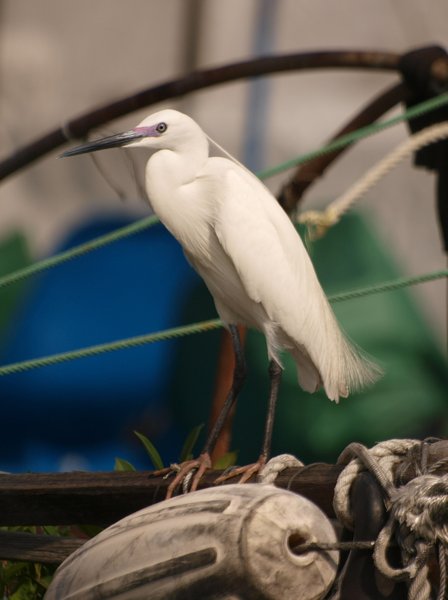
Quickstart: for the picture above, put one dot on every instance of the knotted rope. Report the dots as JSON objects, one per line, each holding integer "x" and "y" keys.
{"x": 276, "y": 465}
{"x": 418, "y": 510}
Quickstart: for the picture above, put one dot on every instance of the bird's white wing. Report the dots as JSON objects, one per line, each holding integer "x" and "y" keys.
{"x": 276, "y": 272}
{"x": 266, "y": 251}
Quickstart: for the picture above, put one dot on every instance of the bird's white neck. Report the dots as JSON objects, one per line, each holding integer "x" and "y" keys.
{"x": 177, "y": 166}
{"x": 168, "y": 175}
{"x": 169, "y": 169}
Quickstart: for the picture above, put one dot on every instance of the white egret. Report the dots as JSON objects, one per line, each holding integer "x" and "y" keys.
{"x": 244, "y": 246}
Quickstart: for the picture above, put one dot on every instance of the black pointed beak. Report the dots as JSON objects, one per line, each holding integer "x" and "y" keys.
{"x": 112, "y": 141}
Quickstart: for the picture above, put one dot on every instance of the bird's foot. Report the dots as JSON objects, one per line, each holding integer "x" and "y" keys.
{"x": 188, "y": 474}
{"x": 244, "y": 473}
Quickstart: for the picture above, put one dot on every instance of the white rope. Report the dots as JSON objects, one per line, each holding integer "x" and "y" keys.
{"x": 387, "y": 454}
{"x": 276, "y": 465}
{"x": 418, "y": 518}
{"x": 319, "y": 221}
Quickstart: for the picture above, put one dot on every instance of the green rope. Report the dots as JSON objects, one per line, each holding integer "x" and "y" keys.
{"x": 133, "y": 342}
{"x": 58, "y": 259}
{"x": 388, "y": 286}
{"x": 201, "y": 327}
{"x": 147, "y": 222}
{"x": 354, "y": 136}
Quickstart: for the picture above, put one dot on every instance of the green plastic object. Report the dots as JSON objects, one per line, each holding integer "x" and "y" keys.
{"x": 14, "y": 255}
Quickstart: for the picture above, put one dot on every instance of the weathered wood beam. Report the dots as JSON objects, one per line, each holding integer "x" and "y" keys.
{"x": 78, "y": 498}
{"x": 28, "y": 547}
{"x": 103, "y": 498}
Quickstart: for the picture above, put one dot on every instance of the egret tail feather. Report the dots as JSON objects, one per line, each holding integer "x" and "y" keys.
{"x": 351, "y": 370}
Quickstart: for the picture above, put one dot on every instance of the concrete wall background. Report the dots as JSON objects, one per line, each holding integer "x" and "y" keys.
{"x": 58, "y": 58}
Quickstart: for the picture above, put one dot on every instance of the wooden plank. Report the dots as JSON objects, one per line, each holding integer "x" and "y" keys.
{"x": 36, "y": 548}
{"x": 103, "y": 498}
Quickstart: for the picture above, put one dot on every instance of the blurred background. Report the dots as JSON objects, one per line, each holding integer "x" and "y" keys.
{"x": 59, "y": 59}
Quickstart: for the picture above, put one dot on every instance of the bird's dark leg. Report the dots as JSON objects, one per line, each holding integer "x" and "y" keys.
{"x": 275, "y": 375}
{"x": 246, "y": 472}
{"x": 239, "y": 376}
{"x": 203, "y": 462}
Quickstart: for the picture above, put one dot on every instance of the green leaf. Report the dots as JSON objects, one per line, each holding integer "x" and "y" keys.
{"x": 91, "y": 530}
{"x": 14, "y": 570}
{"x": 53, "y": 530}
{"x": 45, "y": 581}
{"x": 226, "y": 460}
{"x": 123, "y": 465}
{"x": 28, "y": 589}
{"x": 190, "y": 442}
{"x": 151, "y": 450}
{"x": 37, "y": 571}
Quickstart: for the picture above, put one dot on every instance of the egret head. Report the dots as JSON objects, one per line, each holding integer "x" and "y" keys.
{"x": 166, "y": 129}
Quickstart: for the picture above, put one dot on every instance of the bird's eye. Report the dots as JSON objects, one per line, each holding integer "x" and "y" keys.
{"x": 161, "y": 127}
